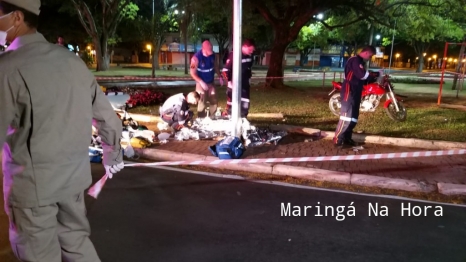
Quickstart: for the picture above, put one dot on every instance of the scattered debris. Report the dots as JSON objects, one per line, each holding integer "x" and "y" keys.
{"x": 357, "y": 148}
{"x": 162, "y": 126}
{"x": 258, "y": 137}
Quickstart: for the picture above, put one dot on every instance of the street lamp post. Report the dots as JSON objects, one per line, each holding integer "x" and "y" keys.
{"x": 397, "y": 56}
{"x": 237, "y": 54}
{"x": 319, "y": 17}
{"x": 391, "y": 52}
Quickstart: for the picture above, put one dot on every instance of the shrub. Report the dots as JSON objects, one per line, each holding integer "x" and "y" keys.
{"x": 415, "y": 80}
{"x": 145, "y": 97}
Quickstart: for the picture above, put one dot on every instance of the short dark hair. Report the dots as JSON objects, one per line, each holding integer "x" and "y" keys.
{"x": 248, "y": 42}
{"x": 31, "y": 19}
{"x": 369, "y": 48}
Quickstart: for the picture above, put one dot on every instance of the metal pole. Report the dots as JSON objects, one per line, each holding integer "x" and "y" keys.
{"x": 314, "y": 56}
{"x": 153, "y": 8}
{"x": 237, "y": 54}
{"x": 391, "y": 52}
{"x": 368, "y": 65}
{"x": 443, "y": 74}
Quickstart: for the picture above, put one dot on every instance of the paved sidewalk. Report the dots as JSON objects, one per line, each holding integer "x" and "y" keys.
{"x": 431, "y": 170}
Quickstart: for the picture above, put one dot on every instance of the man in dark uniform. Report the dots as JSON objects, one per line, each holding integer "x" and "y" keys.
{"x": 246, "y": 49}
{"x": 351, "y": 91}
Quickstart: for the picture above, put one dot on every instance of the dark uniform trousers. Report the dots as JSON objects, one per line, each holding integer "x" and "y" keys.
{"x": 349, "y": 113}
{"x": 53, "y": 233}
{"x": 245, "y": 94}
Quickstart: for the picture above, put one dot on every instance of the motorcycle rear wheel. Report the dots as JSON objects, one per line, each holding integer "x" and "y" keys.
{"x": 399, "y": 116}
{"x": 335, "y": 104}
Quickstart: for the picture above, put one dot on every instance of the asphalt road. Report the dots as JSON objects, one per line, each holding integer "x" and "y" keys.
{"x": 146, "y": 214}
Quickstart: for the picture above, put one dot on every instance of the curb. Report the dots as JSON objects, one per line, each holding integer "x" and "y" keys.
{"x": 311, "y": 173}
{"x": 154, "y": 118}
{"x": 451, "y": 189}
{"x": 404, "y": 142}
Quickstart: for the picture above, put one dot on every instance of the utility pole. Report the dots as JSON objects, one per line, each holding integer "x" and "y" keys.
{"x": 391, "y": 52}
{"x": 368, "y": 63}
{"x": 237, "y": 54}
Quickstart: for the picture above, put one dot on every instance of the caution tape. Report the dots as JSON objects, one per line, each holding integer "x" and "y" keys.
{"x": 127, "y": 78}
{"x": 95, "y": 190}
{"x": 307, "y": 159}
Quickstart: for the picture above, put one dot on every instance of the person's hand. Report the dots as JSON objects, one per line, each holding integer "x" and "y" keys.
{"x": 220, "y": 79}
{"x": 204, "y": 85}
{"x": 177, "y": 127}
{"x": 112, "y": 159}
{"x": 110, "y": 170}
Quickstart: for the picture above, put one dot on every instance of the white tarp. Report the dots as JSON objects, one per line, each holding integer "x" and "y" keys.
{"x": 119, "y": 100}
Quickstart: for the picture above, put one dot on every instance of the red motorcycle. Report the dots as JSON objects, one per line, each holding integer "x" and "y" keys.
{"x": 371, "y": 95}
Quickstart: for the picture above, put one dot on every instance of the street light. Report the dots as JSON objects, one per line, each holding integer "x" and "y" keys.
{"x": 149, "y": 47}
{"x": 377, "y": 37}
{"x": 319, "y": 17}
{"x": 397, "y": 56}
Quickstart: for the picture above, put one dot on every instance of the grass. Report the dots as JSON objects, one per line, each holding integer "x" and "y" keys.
{"x": 307, "y": 105}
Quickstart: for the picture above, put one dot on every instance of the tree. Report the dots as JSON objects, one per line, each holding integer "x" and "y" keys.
{"x": 54, "y": 23}
{"x": 288, "y": 17}
{"x": 217, "y": 21}
{"x": 352, "y": 36}
{"x": 420, "y": 25}
{"x": 219, "y": 30}
{"x": 101, "y": 22}
{"x": 308, "y": 38}
{"x": 457, "y": 14}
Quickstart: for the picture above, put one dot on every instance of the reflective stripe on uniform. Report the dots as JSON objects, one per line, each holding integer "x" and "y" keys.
{"x": 205, "y": 70}
{"x": 365, "y": 76}
{"x": 348, "y": 119}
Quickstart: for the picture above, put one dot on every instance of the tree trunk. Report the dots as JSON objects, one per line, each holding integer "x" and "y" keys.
{"x": 458, "y": 66}
{"x": 101, "y": 51}
{"x": 276, "y": 61}
{"x": 156, "y": 59}
{"x": 185, "y": 52}
{"x": 420, "y": 66}
{"x": 304, "y": 56}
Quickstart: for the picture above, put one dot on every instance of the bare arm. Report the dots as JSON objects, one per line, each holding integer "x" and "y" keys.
{"x": 193, "y": 69}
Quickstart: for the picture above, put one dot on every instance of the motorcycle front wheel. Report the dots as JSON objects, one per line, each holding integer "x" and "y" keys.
{"x": 335, "y": 104}
{"x": 399, "y": 116}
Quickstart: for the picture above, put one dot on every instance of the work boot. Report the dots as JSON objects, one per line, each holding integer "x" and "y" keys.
{"x": 342, "y": 146}
{"x": 351, "y": 142}
{"x": 339, "y": 144}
